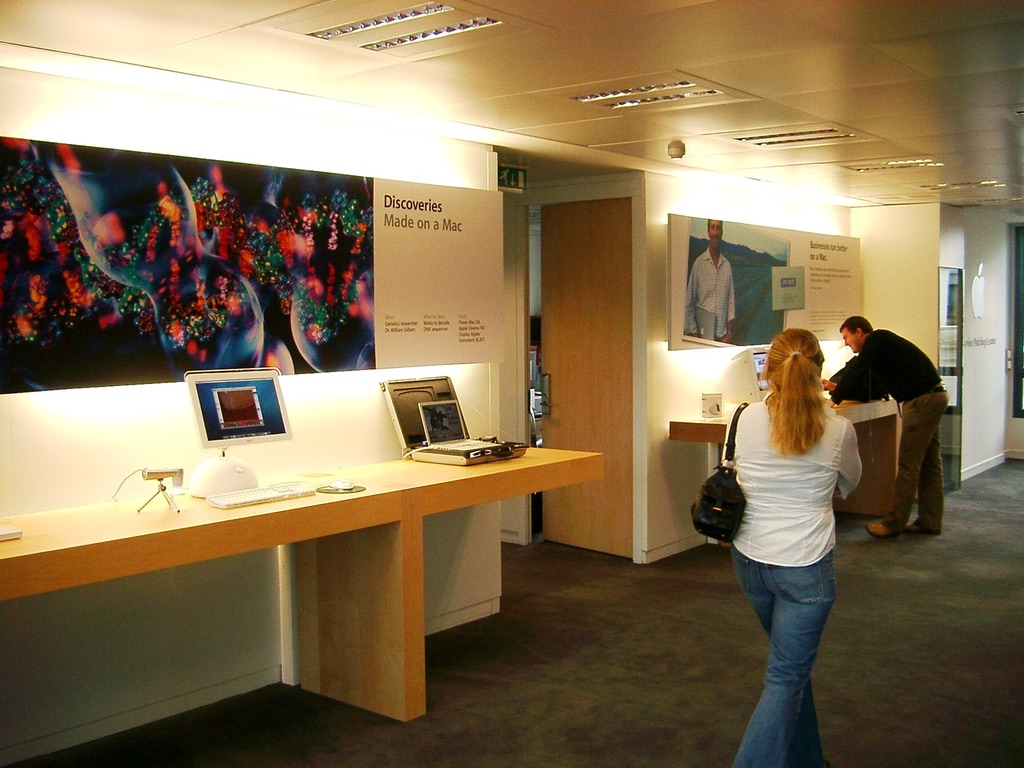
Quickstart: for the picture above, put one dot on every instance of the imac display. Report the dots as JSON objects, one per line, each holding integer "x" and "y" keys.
{"x": 234, "y": 407}
{"x": 741, "y": 380}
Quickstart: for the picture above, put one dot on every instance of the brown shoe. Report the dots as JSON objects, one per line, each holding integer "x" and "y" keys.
{"x": 881, "y": 531}
{"x": 918, "y": 528}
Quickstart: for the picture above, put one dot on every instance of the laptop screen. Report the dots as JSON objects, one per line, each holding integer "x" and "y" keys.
{"x": 442, "y": 421}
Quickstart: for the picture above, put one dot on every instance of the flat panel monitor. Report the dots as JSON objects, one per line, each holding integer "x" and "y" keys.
{"x": 238, "y": 406}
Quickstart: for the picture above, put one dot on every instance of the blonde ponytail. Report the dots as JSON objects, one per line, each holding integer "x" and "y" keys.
{"x": 795, "y": 407}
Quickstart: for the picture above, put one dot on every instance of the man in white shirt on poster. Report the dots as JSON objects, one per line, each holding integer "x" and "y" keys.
{"x": 710, "y": 295}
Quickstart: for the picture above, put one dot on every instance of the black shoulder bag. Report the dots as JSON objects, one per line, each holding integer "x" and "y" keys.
{"x": 720, "y": 503}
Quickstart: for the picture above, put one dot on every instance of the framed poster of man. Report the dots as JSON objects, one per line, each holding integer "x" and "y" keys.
{"x": 742, "y": 284}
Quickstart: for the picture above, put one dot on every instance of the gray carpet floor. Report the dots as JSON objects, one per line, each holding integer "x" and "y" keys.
{"x": 595, "y": 661}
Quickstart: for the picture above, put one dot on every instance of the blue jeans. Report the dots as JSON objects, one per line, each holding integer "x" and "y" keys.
{"x": 792, "y": 604}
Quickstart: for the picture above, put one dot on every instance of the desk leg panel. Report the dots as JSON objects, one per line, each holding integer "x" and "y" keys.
{"x": 360, "y": 598}
{"x": 877, "y": 442}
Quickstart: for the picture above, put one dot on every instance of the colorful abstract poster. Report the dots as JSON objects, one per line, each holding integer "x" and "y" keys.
{"x": 742, "y": 284}
{"x": 128, "y": 267}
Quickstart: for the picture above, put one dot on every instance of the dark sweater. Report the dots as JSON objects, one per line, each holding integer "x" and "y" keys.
{"x": 904, "y": 370}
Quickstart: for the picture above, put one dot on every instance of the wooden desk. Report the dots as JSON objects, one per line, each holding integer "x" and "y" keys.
{"x": 359, "y": 558}
{"x": 878, "y": 430}
{"x": 878, "y": 437}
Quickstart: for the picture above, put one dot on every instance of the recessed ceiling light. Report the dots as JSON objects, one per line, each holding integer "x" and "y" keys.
{"x": 621, "y": 92}
{"x": 426, "y": 9}
{"x": 431, "y": 34}
{"x": 635, "y": 96}
{"x": 957, "y": 186}
{"x": 895, "y": 165}
{"x": 640, "y": 102}
{"x": 787, "y": 138}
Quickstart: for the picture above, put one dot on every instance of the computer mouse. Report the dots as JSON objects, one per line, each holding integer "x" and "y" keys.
{"x": 343, "y": 485}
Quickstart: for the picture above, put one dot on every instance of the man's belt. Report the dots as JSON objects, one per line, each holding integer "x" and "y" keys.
{"x": 933, "y": 391}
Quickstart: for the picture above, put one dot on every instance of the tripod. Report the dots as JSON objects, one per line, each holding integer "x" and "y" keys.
{"x": 161, "y": 491}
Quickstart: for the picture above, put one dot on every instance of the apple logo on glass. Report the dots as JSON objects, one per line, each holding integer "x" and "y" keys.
{"x": 978, "y": 292}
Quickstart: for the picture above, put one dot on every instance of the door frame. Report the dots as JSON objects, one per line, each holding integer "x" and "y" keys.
{"x": 630, "y": 185}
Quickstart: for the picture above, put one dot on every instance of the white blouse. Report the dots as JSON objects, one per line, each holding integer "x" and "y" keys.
{"x": 789, "y": 519}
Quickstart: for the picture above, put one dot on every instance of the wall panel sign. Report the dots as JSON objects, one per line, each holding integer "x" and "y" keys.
{"x": 765, "y": 280}
{"x": 122, "y": 267}
{"x": 439, "y": 276}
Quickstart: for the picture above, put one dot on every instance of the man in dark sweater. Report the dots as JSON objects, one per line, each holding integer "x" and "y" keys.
{"x": 910, "y": 377}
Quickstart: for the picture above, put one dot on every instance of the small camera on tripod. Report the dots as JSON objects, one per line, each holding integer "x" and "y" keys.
{"x": 177, "y": 477}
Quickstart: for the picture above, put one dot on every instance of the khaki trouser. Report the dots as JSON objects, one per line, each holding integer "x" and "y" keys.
{"x": 920, "y": 464}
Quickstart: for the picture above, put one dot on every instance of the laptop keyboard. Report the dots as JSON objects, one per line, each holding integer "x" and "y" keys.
{"x": 463, "y": 445}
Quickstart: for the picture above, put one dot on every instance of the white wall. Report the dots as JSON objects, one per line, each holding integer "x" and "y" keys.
{"x": 990, "y": 432}
{"x": 900, "y": 248}
{"x": 101, "y": 658}
{"x": 514, "y": 387}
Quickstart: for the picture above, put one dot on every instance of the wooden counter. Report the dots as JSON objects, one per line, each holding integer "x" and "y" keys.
{"x": 878, "y": 437}
{"x": 359, "y": 558}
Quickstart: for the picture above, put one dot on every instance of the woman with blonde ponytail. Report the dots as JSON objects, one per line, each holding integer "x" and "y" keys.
{"x": 793, "y": 453}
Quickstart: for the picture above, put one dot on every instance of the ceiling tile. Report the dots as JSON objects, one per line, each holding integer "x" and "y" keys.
{"x": 961, "y": 51}
{"x": 809, "y": 70}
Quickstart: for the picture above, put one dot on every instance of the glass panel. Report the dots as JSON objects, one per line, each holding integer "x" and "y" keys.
{"x": 1018, "y": 326}
{"x": 951, "y": 323}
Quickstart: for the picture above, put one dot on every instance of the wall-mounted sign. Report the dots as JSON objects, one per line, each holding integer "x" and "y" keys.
{"x": 736, "y": 283}
{"x": 511, "y": 178}
{"x": 439, "y": 274}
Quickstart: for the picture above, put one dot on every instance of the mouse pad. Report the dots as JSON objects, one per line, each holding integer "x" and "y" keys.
{"x": 329, "y": 489}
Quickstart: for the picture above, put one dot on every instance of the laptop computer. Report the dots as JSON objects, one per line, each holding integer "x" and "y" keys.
{"x": 404, "y": 397}
{"x": 705, "y": 323}
{"x": 448, "y": 441}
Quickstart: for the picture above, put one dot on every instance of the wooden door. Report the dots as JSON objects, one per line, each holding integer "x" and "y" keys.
{"x": 587, "y": 321}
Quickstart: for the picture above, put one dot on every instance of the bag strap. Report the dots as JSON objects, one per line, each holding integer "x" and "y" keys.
{"x": 730, "y": 440}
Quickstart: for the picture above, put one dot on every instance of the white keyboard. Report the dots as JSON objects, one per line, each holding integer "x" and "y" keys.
{"x": 260, "y": 495}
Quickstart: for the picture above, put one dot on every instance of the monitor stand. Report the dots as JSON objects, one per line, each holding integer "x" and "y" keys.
{"x": 221, "y": 474}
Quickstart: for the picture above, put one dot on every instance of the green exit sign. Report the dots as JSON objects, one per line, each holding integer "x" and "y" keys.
{"x": 512, "y": 177}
